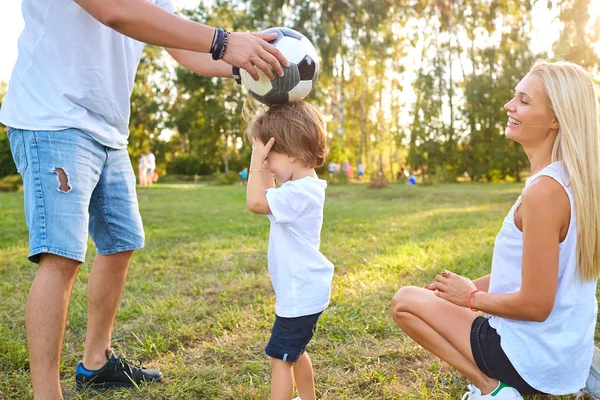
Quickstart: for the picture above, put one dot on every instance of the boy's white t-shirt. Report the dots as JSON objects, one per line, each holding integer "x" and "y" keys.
{"x": 300, "y": 274}
{"x": 72, "y": 72}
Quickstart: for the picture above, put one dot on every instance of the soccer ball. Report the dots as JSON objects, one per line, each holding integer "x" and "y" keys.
{"x": 297, "y": 81}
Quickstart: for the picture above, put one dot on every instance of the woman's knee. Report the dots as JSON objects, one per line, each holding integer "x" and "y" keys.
{"x": 403, "y": 301}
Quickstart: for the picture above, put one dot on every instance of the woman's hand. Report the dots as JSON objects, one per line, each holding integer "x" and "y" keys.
{"x": 453, "y": 288}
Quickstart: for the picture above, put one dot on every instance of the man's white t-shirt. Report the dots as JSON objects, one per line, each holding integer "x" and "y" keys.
{"x": 300, "y": 274}
{"x": 72, "y": 72}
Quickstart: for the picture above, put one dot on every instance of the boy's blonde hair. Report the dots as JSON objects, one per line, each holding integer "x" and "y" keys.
{"x": 298, "y": 129}
{"x": 574, "y": 99}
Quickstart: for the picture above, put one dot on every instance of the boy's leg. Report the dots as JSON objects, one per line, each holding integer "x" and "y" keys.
{"x": 303, "y": 374}
{"x": 282, "y": 379}
{"x": 45, "y": 320}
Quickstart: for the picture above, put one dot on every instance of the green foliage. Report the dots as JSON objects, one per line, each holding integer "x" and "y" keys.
{"x": 188, "y": 166}
{"x": 227, "y": 178}
{"x": 7, "y": 165}
{"x": 462, "y": 58}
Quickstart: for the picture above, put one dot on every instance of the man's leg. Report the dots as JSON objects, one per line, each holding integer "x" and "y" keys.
{"x": 116, "y": 228}
{"x": 45, "y": 320}
{"x": 105, "y": 287}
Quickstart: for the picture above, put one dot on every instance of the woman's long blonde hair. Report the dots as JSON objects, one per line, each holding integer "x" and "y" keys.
{"x": 574, "y": 99}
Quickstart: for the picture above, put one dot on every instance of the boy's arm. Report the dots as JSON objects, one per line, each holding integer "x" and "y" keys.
{"x": 258, "y": 179}
{"x": 201, "y": 63}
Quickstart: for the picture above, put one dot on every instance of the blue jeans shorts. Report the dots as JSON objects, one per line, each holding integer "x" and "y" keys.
{"x": 290, "y": 336}
{"x": 74, "y": 186}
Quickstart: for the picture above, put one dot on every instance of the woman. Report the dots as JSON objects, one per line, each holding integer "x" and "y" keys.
{"x": 540, "y": 296}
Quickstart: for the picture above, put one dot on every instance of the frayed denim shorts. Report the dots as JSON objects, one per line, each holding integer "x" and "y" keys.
{"x": 74, "y": 186}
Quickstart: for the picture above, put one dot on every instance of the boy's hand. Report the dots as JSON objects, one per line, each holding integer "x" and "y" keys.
{"x": 260, "y": 151}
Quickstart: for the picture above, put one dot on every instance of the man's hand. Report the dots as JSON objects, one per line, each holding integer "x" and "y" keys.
{"x": 252, "y": 50}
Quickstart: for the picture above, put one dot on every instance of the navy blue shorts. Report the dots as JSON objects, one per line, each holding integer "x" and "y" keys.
{"x": 491, "y": 359}
{"x": 290, "y": 336}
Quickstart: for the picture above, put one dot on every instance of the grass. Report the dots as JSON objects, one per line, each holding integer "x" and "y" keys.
{"x": 199, "y": 305}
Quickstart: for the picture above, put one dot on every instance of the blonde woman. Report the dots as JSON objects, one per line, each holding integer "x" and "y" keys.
{"x": 540, "y": 298}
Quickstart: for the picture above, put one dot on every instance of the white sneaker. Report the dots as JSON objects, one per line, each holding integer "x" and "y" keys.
{"x": 502, "y": 392}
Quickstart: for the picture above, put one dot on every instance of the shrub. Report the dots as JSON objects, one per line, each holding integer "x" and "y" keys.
{"x": 11, "y": 183}
{"x": 378, "y": 183}
{"x": 226, "y": 178}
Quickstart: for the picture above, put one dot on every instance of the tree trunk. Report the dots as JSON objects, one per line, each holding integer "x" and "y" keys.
{"x": 363, "y": 118}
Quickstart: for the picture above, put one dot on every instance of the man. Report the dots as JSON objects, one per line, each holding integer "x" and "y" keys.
{"x": 67, "y": 109}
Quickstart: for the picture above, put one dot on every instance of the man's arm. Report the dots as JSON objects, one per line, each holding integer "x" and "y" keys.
{"x": 201, "y": 63}
{"x": 149, "y": 23}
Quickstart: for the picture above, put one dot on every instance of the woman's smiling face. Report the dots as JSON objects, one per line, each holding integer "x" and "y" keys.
{"x": 530, "y": 115}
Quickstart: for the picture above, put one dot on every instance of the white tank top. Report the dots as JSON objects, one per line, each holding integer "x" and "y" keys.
{"x": 553, "y": 356}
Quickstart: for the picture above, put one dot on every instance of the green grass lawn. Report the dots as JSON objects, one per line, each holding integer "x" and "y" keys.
{"x": 199, "y": 304}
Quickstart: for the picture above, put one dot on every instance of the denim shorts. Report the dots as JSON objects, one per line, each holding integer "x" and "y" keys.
{"x": 290, "y": 336}
{"x": 74, "y": 186}
{"x": 491, "y": 359}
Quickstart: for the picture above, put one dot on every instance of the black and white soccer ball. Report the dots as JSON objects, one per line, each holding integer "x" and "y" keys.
{"x": 298, "y": 80}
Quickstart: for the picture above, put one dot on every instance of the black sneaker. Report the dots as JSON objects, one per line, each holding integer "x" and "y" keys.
{"x": 117, "y": 372}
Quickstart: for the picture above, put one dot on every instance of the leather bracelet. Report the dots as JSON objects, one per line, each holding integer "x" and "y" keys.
{"x": 212, "y": 45}
{"x": 235, "y": 71}
{"x": 469, "y": 300}
{"x": 219, "y": 44}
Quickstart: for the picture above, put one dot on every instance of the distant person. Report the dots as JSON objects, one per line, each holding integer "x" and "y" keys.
{"x": 349, "y": 171}
{"x": 540, "y": 306}
{"x": 331, "y": 168}
{"x": 361, "y": 170}
{"x": 412, "y": 179}
{"x": 400, "y": 175}
{"x": 289, "y": 141}
{"x": 244, "y": 176}
{"x": 142, "y": 170}
{"x": 150, "y": 167}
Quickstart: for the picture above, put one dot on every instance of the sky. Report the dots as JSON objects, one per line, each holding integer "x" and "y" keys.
{"x": 11, "y": 25}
